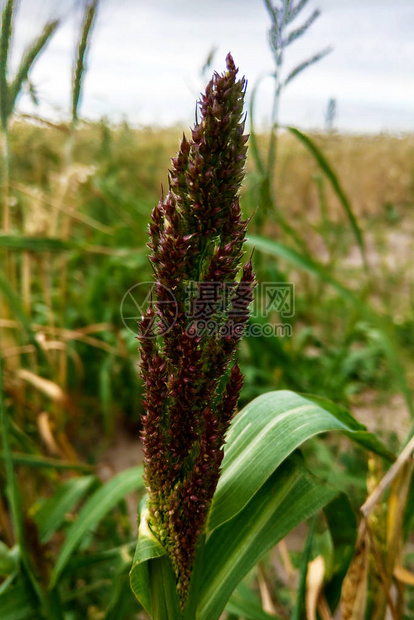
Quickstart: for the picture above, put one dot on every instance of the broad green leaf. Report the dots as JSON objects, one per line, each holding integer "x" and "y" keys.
{"x": 327, "y": 169}
{"x": 244, "y": 603}
{"x": 164, "y": 599}
{"x": 361, "y": 436}
{"x": 288, "y": 497}
{"x": 97, "y": 506}
{"x": 152, "y": 578}
{"x": 53, "y": 512}
{"x": 263, "y": 435}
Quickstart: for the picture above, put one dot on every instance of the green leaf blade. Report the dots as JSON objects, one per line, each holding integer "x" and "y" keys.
{"x": 288, "y": 497}
{"x": 263, "y": 435}
{"x": 53, "y": 512}
{"x": 151, "y": 577}
{"x": 16, "y": 604}
{"x": 328, "y": 171}
{"x": 98, "y": 505}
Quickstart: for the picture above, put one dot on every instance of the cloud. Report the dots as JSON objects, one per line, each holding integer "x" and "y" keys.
{"x": 146, "y": 58}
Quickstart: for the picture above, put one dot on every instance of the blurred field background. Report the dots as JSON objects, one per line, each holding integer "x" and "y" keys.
{"x": 78, "y": 245}
{"x": 78, "y": 200}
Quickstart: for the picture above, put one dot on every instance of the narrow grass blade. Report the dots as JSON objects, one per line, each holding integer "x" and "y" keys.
{"x": 53, "y": 512}
{"x": 305, "y": 64}
{"x": 275, "y": 248}
{"x": 294, "y": 10}
{"x": 105, "y": 391}
{"x": 56, "y": 204}
{"x": 343, "y": 530}
{"x": 5, "y": 38}
{"x": 11, "y": 482}
{"x": 35, "y": 460}
{"x": 298, "y": 32}
{"x": 18, "y": 312}
{"x": 328, "y": 171}
{"x": 98, "y": 505}
{"x": 300, "y": 607}
{"x": 33, "y": 244}
{"x": 409, "y": 510}
{"x": 37, "y": 46}
{"x": 14, "y": 497}
{"x": 79, "y": 69}
{"x": 254, "y": 149}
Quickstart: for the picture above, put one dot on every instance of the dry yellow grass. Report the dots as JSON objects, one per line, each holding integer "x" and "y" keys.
{"x": 373, "y": 170}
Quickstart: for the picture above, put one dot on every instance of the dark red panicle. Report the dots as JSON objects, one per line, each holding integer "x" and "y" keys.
{"x": 191, "y": 380}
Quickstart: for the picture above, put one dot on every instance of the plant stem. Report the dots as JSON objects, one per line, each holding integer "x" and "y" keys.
{"x": 5, "y": 178}
{"x": 271, "y": 156}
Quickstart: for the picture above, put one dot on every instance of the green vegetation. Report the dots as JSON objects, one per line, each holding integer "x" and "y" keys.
{"x": 298, "y": 533}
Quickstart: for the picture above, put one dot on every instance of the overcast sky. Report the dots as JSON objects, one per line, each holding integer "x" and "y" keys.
{"x": 146, "y": 58}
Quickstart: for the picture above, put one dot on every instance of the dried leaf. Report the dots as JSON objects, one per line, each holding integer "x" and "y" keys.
{"x": 45, "y": 431}
{"x": 49, "y": 388}
{"x": 354, "y": 588}
{"x": 403, "y": 575}
{"x": 314, "y": 583}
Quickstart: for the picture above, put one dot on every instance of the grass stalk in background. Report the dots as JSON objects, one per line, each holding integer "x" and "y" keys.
{"x": 5, "y": 39}
{"x": 336, "y": 185}
{"x": 78, "y": 78}
{"x": 10, "y": 89}
{"x": 79, "y": 69}
{"x": 283, "y": 14}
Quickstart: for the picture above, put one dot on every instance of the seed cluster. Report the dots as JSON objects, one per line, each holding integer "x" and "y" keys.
{"x": 192, "y": 382}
